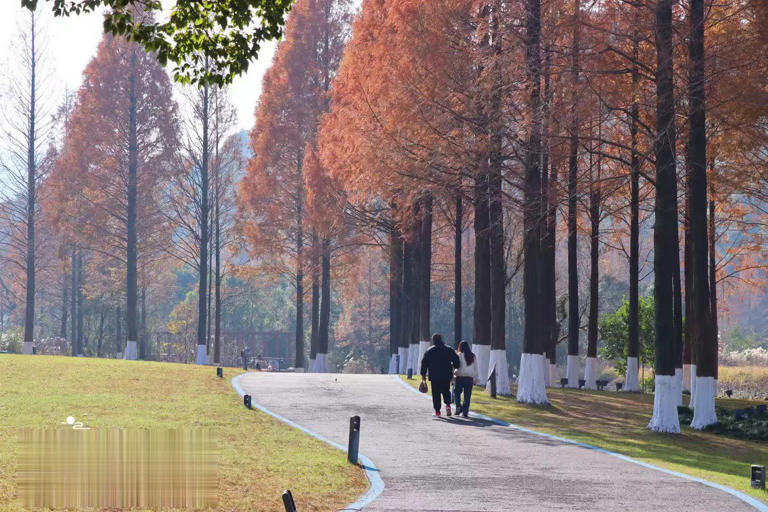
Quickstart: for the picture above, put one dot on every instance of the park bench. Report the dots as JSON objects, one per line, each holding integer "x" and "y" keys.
{"x": 582, "y": 382}
{"x": 601, "y": 384}
{"x": 563, "y": 382}
{"x": 619, "y": 385}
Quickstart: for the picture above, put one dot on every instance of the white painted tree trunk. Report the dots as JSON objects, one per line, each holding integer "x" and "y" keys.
{"x": 693, "y": 385}
{"x": 483, "y": 358}
{"x": 554, "y": 381}
{"x": 423, "y": 347}
{"x": 632, "y": 382}
{"x": 704, "y": 408}
{"x": 679, "y": 385}
{"x": 413, "y": 358}
{"x": 321, "y": 363}
{"x": 531, "y": 385}
{"x": 665, "y": 417}
{"x": 202, "y": 354}
{"x": 591, "y": 373}
{"x": 687, "y": 377}
{"x": 546, "y": 369}
{"x": 572, "y": 371}
{"x": 498, "y": 360}
{"x": 27, "y": 346}
{"x": 311, "y": 367}
{"x": 393, "y": 364}
{"x": 131, "y": 353}
{"x": 403, "y": 353}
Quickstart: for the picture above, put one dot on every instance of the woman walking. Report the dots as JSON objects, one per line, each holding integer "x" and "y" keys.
{"x": 466, "y": 377}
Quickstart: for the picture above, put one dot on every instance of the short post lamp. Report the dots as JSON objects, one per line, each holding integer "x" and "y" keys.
{"x": 354, "y": 439}
{"x": 492, "y": 378}
{"x": 729, "y": 392}
{"x": 410, "y": 373}
{"x": 220, "y": 372}
{"x": 247, "y": 401}
{"x": 288, "y": 503}
{"x": 758, "y": 477}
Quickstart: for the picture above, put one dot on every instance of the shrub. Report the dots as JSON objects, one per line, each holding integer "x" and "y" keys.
{"x": 614, "y": 331}
{"x": 11, "y": 340}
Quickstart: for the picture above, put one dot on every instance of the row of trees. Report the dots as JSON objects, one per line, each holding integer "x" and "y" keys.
{"x": 552, "y": 121}
{"x": 112, "y": 191}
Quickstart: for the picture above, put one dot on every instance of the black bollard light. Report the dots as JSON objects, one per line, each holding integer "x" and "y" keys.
{"x": 290, "y": 505}
{"x": 247, "y": 401}
{"x": 245, "y": 360}
{"x": 729, "y": 393}
{"x": 397, "y": 362}
{"x": 220, "y": 372}
{"x": 410, "y": 373}
{"x": 758, "y": 477}
{"x": 492, "y": 378}
{"x": 354, "y": 439}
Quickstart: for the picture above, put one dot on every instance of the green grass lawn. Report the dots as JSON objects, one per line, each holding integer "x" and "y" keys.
{"x": 617, "y": 422}
{"x": 260, "y": 457}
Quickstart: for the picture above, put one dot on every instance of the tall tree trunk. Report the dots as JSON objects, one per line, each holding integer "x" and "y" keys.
{"x": 131, "y": 239}
{"x": 531, "y": 386}
{"x": 315, "y": 299}
{"x": 299, "y": 364}
{"x": 458, "y": 231}
{"x": 548, "y": 236}
{"x": 29, "y": 311}
{"x": 202, "y": 289}
{"x": 689, "y": 370}
{"x": 321, "y": 362}
{"x": 482, "y": 306}
{"x": 101, "y": 330}
{"x": 713, "y": 273}
{"x": 143, "y": 353}
{"x": 591, "y": 369}
{"x": 118, "y": 328}
{"x": 73, "y": 300}
{"x": 677, "y": 310}
{"x": 395, "y": 296}
{"x": 572, "y": 370}
{"x": 80, "y": 302}
{"x": 632, "y": 380}
{"x": 704, "y": 335}
{"x": 64, "y": 309}
{"x": 498, "y": 357}
{"x": 407, "y": 317}
{"x": 665, "y": 417}
{"x": 217, "y": 251}
{"x": 425, "y": 281}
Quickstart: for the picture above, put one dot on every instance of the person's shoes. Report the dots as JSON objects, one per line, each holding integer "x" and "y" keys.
{"x": 437, "y": 414}
{"x": 447, "y": 410}
{"x": 458, "y": 410}
{"x": 465, "y": 415}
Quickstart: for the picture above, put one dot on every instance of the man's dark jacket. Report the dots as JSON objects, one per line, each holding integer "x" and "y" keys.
{"x": 439, "y": 361}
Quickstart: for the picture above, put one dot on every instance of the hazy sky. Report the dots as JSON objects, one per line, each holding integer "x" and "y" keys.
{"x": 72, "y": 42}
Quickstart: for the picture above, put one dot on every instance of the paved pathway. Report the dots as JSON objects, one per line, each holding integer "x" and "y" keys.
{"x": 431, "y": 464}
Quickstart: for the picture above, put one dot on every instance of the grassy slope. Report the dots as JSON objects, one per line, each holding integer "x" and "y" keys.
{"x": 617, "y": 422}
{"x": 260, "y": 456}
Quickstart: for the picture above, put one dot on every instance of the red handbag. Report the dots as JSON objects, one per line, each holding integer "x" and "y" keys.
{"x": 423, "y": 386}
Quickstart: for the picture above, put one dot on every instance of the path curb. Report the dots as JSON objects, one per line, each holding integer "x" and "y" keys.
{"x": 376, "y": 484}
{"x": 749, "y": 500}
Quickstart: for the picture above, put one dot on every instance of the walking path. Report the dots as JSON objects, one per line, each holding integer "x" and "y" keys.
{"x": 457, "y": 464}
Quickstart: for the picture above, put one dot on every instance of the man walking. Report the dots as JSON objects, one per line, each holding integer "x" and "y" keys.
{"x": 439, "y": 362}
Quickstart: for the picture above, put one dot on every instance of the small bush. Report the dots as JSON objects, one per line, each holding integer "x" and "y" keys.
{"x": 10, "y": 341}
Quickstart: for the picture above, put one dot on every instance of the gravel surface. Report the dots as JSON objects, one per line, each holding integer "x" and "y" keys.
{"x": 456, "y": 464}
